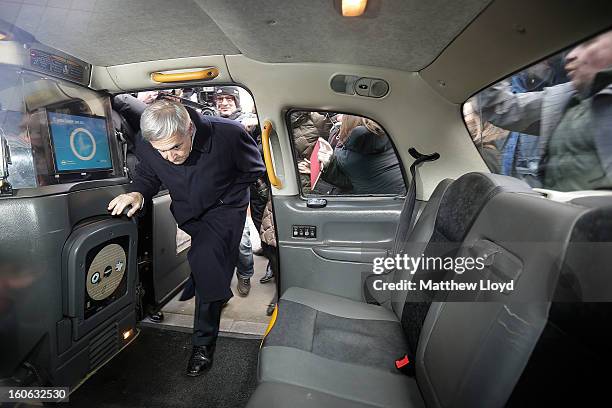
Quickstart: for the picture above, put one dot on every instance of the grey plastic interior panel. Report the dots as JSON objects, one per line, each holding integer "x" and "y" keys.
{"x": 69, "y": 187}
{"x": 346, "y": 226}
{"x": 33, "y": 232}
{"x": 76, "y": 364}
{"x": 74, "y": 255}
{"x": 170, "y": 270}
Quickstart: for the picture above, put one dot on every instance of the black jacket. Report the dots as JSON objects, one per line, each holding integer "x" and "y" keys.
{"x": 367, "y": 163}
{"x": 223, "y": 163}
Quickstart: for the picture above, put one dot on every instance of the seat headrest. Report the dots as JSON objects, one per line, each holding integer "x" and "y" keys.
{"x": 467, "y": 195}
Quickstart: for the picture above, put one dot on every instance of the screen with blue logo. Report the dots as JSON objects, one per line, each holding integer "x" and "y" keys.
{"x": 80, "y": 143}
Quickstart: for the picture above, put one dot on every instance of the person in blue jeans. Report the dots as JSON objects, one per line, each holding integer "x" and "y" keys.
{"x": 244, "y": 265}
{"x": 227, "y": 101}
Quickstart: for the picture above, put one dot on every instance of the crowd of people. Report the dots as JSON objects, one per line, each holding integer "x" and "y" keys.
{"x": 344, "y": 154}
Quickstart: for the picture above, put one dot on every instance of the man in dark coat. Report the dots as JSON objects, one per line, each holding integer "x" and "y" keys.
{"x": 207, "y": 164}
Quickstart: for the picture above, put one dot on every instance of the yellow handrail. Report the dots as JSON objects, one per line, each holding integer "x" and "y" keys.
{"x": 204, "y": 74}
{"x": 272, "y": 321}
{"x": 265, "y": 141}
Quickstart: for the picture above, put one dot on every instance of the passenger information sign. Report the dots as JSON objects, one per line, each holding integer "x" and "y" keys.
{"x": 80, "y": 143}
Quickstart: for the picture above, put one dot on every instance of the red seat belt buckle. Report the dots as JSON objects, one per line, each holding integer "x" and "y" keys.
{"x": 405, "y": 366}
{"x": 402, "y": 362}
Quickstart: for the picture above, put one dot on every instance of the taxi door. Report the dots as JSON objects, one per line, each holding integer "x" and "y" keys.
{"x": 348, "y": 206}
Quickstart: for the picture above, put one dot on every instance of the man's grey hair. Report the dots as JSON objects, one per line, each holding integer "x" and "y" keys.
{"x": 163, "y": 119}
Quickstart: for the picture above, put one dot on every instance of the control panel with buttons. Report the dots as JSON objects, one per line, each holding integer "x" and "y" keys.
{"x": 304, "y": 231}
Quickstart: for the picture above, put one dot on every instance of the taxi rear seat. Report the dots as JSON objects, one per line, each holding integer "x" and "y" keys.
{"x": 319, "y": 330}
{"x": 328, "y": 351}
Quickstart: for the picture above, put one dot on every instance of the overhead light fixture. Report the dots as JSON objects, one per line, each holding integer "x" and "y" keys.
{"x": 3, "y": 36}
{"x": 353, "y": 8}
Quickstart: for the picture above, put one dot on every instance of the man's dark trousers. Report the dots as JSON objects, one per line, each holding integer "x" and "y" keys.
{"x": 214, "y": 251}
{"x": 206, "y": 322}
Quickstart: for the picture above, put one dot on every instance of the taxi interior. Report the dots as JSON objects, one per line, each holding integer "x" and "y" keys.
{"x": 408, "y": 66}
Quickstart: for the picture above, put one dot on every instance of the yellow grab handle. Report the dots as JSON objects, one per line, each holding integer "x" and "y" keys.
{"x": 272, "y": 321}
{"x": 206, "y": 74}
{"x": 265, "y": 141}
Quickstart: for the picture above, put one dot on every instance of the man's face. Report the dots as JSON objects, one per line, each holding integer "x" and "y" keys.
{"x": 226, "y": 105}
{"x": 175, "y": 148}
{"x": 587, "y": 59}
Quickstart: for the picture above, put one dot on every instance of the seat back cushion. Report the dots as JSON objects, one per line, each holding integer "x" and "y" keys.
{"x": 474, "y": 346}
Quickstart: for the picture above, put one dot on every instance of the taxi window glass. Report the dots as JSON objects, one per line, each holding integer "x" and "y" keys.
{"x": 59, "y": 106}
{"x": 32, "y": 108}
{"x": 343, "y": 154}
{"x": 14, "y": 129}
{"x": 551, "y": 123}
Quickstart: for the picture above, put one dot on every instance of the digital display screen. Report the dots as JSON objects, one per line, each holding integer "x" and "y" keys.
{"x": 80, "y": 143}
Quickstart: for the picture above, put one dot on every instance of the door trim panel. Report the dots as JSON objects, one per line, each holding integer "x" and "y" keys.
{"x": 351, "y": 232}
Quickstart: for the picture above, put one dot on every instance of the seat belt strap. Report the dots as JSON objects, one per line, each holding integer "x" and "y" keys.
{"x": 405, "y": 228}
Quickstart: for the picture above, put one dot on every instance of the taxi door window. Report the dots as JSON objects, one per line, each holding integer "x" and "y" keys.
{"x": 343, "y": 154}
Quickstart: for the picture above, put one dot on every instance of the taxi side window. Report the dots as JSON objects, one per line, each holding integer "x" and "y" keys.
{"x": 550, "y": 123}
{"x": 343, "y": 154}
{"x": 14, "y": 123}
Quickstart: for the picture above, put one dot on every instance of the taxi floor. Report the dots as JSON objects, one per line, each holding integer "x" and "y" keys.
{"x": 151, "y": 373}
{"x": 242, "y": 315}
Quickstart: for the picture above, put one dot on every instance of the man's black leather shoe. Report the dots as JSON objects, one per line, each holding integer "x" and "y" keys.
{"x": 157, "y": 317}
{"x": 201, "y": 360}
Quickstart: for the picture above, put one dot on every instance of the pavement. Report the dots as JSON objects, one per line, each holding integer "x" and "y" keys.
{"x": 241, "y": 316}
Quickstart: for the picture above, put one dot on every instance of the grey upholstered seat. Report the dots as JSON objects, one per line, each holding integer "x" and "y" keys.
{"x": 339, "y": 352}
